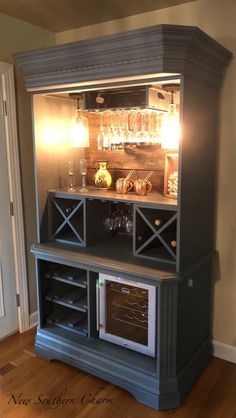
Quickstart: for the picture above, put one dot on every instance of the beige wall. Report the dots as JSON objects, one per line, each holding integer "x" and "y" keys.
{"x": 16, "y": 36}
{"x": 217, "y": 18}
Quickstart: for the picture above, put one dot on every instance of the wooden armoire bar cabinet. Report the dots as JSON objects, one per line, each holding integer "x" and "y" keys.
{"x": 124, "y": 273}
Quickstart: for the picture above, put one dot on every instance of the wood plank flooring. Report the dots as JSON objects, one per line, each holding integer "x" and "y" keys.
{"x": 33, "y": 387}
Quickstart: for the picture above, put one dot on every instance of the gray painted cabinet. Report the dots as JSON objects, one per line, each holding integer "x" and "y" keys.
{"x": 73, "y": 247}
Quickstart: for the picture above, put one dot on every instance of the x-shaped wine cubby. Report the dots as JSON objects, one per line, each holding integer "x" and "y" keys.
{"x": 66, "y": 220}
{"x": 123, "y": 226}
{"x": 155, "y": 234}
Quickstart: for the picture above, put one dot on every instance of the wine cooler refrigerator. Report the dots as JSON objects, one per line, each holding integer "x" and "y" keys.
{"x": 126, "y": 313}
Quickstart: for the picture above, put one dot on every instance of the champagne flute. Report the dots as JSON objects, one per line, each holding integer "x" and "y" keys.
{"x": 83, "y": 171}
{"x": 71, "y": 176}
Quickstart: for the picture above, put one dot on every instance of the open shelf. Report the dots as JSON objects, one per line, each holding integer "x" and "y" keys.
{"x": 95, "y": 193}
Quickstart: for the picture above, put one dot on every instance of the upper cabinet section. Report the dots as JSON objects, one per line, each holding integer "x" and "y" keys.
{"x": 147, "y": 102}
{"x": 137, "y": 54}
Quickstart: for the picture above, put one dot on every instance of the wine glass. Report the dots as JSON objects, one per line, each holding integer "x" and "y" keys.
{"x": 83, "y": 171}
{"x": 123, "y": 128}
{"x": 129, "y": 223}
{"x": 152, "y": 126}
{"x": 132, "y": 126}
{"x": 109, "y": 221}
{"x": 142, "y": 134}
{"x": 102, "y": 138}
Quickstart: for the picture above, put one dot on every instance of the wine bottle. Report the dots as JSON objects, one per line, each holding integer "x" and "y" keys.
{"x": 158, "y": 222}
{"x": 173, "y": 243}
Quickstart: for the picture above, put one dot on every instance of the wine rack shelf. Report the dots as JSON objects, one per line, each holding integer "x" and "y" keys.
{"x": 69, "y": 275}
{"x": 68, "y": 294}
{"x": 67, "y": 220}
{"x": 72, "y": 322}
{"x": 155, "y": 234}
{"x": 83, "y": 221}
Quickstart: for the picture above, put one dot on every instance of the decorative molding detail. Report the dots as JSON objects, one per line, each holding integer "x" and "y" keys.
{"x": 141, "y": 52}
{"x": 8, "y": 90}
{"x": 2, "y": 312}
{"x": 224, "y": 351}
{"x": 33, "y": 319}
{"x": 167, "y": 331}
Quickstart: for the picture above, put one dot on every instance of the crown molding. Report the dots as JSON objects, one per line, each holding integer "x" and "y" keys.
{"x": 143, "y": 52}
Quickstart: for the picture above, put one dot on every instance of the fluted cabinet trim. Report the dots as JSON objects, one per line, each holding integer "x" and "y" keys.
{"x": 168, "y": 331}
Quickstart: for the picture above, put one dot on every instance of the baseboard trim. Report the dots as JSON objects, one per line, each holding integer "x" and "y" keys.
{"x": 224, "y": 351}
{"x": 33, "y": 319}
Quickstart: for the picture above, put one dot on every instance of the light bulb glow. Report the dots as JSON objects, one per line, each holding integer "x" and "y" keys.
{"x": 80, "y": 132}
{"x": 53, "y": 134}
{"x": 170, "y": 129}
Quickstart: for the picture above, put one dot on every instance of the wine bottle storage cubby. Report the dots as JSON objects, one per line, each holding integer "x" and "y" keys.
{"x": 69, "y": 298}
{"x": 62, "y": 317}
{"x": 66, "y": 274}
{"x": 65, "y": 295}
{"x": 155, "y": 234}
{"x": 140, "y": 230}
{"x": 66, "y": 220}
{"x": 65, "y": 292}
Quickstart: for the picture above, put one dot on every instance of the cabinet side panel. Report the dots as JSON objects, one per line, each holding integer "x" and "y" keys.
{"x": 52, "y": 122}
{"x": 197, "y": 170}
{"x": 194, "y": 313}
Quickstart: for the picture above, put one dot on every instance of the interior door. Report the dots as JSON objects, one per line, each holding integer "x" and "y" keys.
{"x": 8, "y": 305}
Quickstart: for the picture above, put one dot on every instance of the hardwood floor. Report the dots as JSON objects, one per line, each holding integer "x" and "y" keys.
{"x": 30, "y": 387}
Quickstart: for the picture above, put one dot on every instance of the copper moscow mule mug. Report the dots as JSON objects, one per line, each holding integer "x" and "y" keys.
{"x": 123, "y": 185}
{"x": 141, "y": 187}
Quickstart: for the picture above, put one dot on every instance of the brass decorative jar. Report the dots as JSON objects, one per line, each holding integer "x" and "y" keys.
{"x": 102, "y": 178}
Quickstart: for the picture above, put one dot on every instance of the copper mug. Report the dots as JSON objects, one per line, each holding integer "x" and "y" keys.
{"x": 123, "y": 185}
{"x": 141, "y": 187}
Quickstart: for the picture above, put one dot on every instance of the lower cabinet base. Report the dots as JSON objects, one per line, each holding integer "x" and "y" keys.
{"x": 147, "y": 388}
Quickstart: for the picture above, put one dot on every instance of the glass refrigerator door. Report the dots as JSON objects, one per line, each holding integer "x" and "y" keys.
{"x": 127, "y": 313}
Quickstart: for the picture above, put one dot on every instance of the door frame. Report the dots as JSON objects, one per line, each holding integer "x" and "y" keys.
{"x": 14, "y": 176}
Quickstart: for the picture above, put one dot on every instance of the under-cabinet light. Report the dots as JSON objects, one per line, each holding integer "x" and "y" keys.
{"x": 80, "y": 128}
{"x": 170, "y": 128}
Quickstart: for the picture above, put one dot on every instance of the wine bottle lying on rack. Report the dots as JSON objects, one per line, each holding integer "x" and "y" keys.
{"x": 158, "y": 222}
{"x": 173, "y": 244}
{"x": 170, "y": 239}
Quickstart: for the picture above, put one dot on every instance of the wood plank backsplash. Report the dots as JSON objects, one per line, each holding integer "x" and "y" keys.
{"x": 120, "y": 162}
